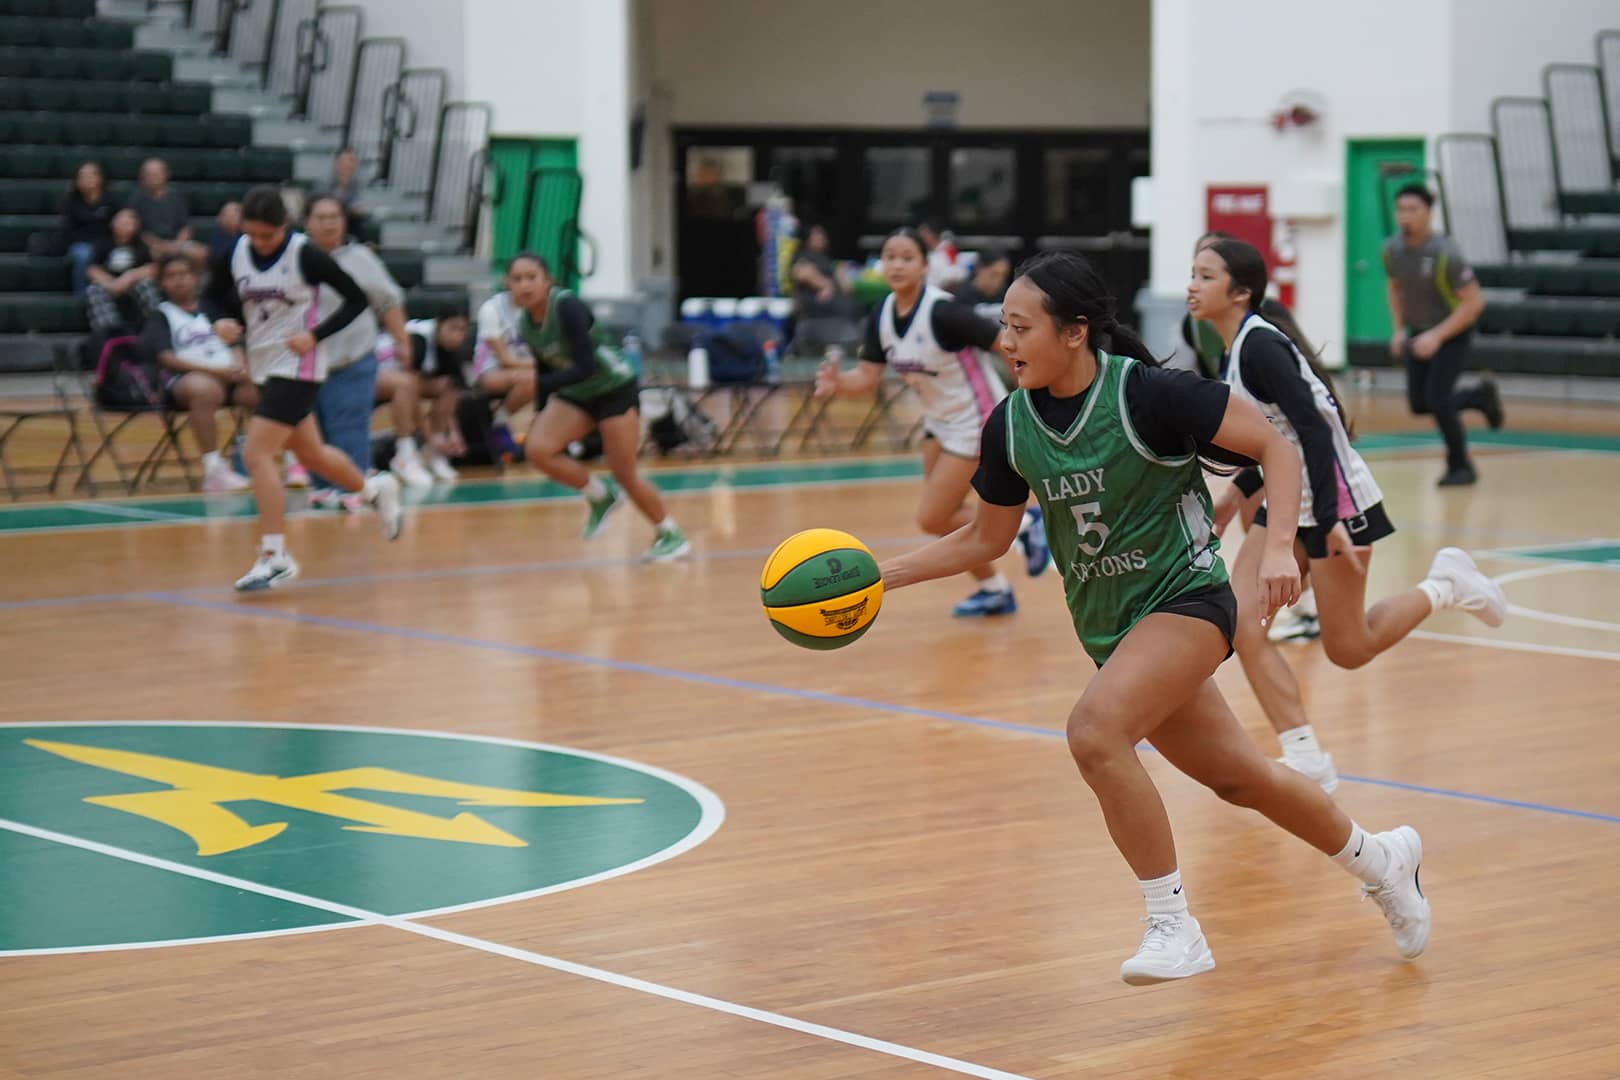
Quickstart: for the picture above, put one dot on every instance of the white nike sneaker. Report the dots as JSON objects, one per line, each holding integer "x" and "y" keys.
{"x": 1291, "y": 625}
{"x": 411, "y": 472}
{"x": 1471, "y": 590}
{"x": 382, "y": 492}
{"x": 1398, "y": 895}
{"x": 1318, "y": 767}
{"x": 440, "y": 467}
{"x": 224, "y": 479}
{"x": 1173, "y": 948}
{"x": 268, "y": 572}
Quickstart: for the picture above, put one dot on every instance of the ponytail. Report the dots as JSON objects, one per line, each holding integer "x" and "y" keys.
{"x": 1283, "y": 319}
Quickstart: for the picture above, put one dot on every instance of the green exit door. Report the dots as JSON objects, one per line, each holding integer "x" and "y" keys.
{"x": 514, "y": 161}
{"x": 1374, "y": 170}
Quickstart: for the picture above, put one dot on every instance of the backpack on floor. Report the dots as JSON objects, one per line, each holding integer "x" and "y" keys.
{"x": 125, "y": 378}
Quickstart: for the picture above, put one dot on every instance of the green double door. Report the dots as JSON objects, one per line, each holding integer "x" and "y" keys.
{"x": 537, "y": 192}
{"x": 1375, "y": 169}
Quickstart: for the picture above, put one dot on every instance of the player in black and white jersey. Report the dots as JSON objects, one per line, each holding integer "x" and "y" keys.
{"x": 272, "y": 306}
{"x": 943, "y": 350}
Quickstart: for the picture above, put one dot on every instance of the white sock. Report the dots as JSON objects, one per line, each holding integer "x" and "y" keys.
{"x": 290, "y": 458}
{"x": 1299, "y": 742}
{"x": 212, "y": 461}
{"x": 667, "y": 525}
{"x": 1364, "y": 856}
{"x": 405, "y": 448}
{"x": 1164, "y": 895}
{"x": 999, "y": 583}
{"x": 594, "y": 489}
{"x": 502, "y": 416}
{"x": 1439, "y": 592}
{"x": 274, "y": 544}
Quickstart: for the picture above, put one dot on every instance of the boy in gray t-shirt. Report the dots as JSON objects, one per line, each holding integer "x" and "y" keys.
{"x": 1434, "y": 301}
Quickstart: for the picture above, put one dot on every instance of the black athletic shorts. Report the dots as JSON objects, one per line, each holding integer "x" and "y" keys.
{"x": 1216, "y": 605}
{"x": 287, "y": 401}
{"x": 1367, "y": 526}
{"x": 611, "y": 404}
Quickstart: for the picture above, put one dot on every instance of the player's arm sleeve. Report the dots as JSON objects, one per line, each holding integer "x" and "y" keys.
{"x": 319, "y": 268}
{"x": 575, "y": 320}
{"x": 957, "y": 326}
{"x": 221, "y": 296}
{"x": 1271, "y": 373}
{"x": 156, "y": 338}
{"x": 995, "y": 480}
{"x": 872, "y": 344}
{"x": 1177, "y": 413}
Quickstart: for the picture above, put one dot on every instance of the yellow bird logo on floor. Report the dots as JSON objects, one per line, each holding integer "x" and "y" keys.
{"x": 195, "y": 802}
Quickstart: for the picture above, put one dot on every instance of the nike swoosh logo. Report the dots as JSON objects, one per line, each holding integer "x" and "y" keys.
{"x": 1176, "y": 891}
{"x": 1359, "y": 846}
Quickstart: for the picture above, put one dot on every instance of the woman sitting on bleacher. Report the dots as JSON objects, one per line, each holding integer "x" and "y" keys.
{"x": 503, "y": 367}
{"x": 123, "y": 291}
{"x": 201, "y": 373}
{"x": 87, "y": 215}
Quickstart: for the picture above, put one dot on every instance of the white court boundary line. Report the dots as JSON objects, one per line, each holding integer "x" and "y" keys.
{"x": 567, "y": 967}
{"x": 712, "y": 816}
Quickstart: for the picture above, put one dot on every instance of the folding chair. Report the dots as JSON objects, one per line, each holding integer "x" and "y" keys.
{"x": 114, "y": 421}
{"x": 15, "y": 417}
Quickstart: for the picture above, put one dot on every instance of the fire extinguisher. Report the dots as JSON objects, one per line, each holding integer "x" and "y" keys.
{"x": 1283, "y": 253}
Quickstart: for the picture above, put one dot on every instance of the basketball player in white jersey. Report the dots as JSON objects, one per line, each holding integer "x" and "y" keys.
{"x": 201, "y": 373}
{"x": 442, "y": 366}
{"x": 941, "y": 348}
{"x": 1341, "y": 510}
{"x": 273, "y": 304}
{"x": 503, "y": 366}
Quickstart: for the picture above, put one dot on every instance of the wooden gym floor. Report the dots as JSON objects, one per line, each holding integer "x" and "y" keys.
{"x": 877, "y": 862}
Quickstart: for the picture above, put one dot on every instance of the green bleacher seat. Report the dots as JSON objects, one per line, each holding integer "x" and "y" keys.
{"x": 58, "y": 33}
{"x": 150, "y": 66}
{"x": 30, "y": 162}
{"x": 432, "y": 301}
{"x": 65, "y": 9}
{"x": 1594, "y": 241}
{"x": 406, "y": 267}
{"x": 30, "y": 273}
{"x": 1548, "y": 356}
{"x": 28, "y": 197}
{"x": 13, "y": 94}
{"x": 55, "y": 97}
{"x": 41, "y": 313}
{"x": 15, "y": 229}
{"x": 45, "y": 196}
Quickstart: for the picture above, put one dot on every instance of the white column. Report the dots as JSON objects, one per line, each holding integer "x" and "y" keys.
{"x": 1176, "y": 203}
{"x": 604, "y": 143}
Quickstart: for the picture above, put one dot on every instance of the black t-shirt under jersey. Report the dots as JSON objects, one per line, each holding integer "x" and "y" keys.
{"x": 1173, "y": 412}
{"x": 956, "y": 326}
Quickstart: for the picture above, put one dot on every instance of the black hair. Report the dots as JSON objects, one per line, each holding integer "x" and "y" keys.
{"x": 169, "y": 260}
{"x": 529, "y": 256}
{"x": 907, "y": 232}
{"x": 73, "y": 185}
{"x": 1076, "y": 293}
{"x": 1417, "y": 191}
{"x": 264, "y": 204}
{"x": 325, "y": 196}
{"x": 455, "y": 311}
{"x": 1247, "y": 268}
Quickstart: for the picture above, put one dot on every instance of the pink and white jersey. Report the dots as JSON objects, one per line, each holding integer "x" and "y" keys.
{"x": 277, "y": 302}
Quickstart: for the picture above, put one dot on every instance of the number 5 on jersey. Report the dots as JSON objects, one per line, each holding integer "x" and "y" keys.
{"x": 1087, "y": 521}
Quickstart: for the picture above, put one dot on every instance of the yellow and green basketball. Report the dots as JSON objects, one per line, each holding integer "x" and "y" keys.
{"x": 821, "y": 588}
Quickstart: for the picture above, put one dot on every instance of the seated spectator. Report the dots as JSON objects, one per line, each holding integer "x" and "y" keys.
{"x": 122, "y": 290}
{"x": 442, "y": 349}
{"x": 86, "y": 220}
{"x": 220, "y": 248}
{"x": 824, "y": 314}
{"x": 202, "y": 373}
{"x": 165, "y": 216}
{"x": 346, "y": 187}
{"x": 503, "y": 366}
{"x": 991, "y": 276}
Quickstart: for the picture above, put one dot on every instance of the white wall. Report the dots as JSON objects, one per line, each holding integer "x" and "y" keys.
{"x": 1217, "y": 80}
{"x": 1500, "y": 46}
{"x": 562, "y": 68}
{"x": 433, "y": 34}
{"x": 867, "y": 63}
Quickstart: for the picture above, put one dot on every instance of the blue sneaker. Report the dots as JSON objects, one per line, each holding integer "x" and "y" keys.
{"x": 986, "y": 602}
{"x": 502, "y": 447}
{"x": 1032, "y": 538}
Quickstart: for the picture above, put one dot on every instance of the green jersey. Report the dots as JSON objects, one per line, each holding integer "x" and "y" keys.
{"x": 552, "y": 352}
{"x": 1129, "y": 530}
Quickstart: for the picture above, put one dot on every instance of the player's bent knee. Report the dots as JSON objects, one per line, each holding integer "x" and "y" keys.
{"x": 1093, "y": 742}
{"x": 1348, "y": 655}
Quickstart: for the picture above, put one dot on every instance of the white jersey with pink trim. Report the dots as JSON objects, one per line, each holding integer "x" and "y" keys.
{"x": 957, "y": 390}
{"x": 277, "y": 302}
{"x": 1357, "y": 490}
{"x": 498, "y": 318}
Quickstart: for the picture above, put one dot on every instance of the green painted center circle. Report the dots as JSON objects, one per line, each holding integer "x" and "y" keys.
{"x": 389, "y": 822}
